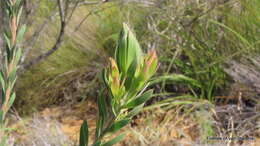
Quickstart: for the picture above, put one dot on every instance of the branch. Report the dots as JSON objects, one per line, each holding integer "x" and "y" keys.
{"x": 64, "y": 19}
{"x": 93, "y": 10}
{"x": 58, "y": 43}
{"x": 33, "y": 39}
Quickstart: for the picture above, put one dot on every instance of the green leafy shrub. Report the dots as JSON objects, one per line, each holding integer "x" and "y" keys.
{"x": 126, "y": 78}
{"x": 196, "y": 38}
{"x": 12, "y": 54}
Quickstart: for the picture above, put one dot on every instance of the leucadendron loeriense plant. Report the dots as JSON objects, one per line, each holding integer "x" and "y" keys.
{"x": 126, "y": 78}
{"x": 11, "y": 56}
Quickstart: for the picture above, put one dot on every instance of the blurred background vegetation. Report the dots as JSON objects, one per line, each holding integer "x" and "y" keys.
{"x": 198, "y": 43}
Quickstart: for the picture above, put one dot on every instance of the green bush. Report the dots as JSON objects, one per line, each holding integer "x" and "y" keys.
{"x": 196, "y": 38}
{"x": 11, "y": 58}
{"x": 126, "y": 79}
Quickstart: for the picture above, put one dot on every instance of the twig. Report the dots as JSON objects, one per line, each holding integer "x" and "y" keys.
{"x": 58, "y": 42}
{"x": 30, "y": 43}
{"x": 65, "y": 17}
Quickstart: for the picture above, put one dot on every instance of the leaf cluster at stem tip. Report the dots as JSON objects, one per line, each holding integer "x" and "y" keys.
{"x": 126, "y": 79}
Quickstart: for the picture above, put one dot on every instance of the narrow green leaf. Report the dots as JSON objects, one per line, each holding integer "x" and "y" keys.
{"x": 118, "y": 125}
{"x": 140, "y": 99}
{"x": 11, "y": 100}
{"x": 176, "y": 78}
{"x": 102, "y": 107}
{"x": 1, "y": 116}
{"x": 11, "y": 85}
{"x": 114, "y": 140}
{"x": 243, "y": 39}
{"x": 211, "y": 88}
{"x": 130, "y": 75}
{"x": 8, "y": 3}
{"x": 17, "y": 4}
{"x": 135, "y": 111}
{"x": 83, "y": 140}
{"x": 21, "y": 34}
{"x": 104, "y": 77}
{"x": 18, "y": 55}
{"x": 102, "y": 114}
{"x": 20, "y": 11}
{"x": 7, "y": 40}
{"x": 13, "y": 75}
{"x": 121, "y": 54}
{"x": 3, "y": 96}
{"x": 99, "y": 126}
{"x": 2, "y": 81}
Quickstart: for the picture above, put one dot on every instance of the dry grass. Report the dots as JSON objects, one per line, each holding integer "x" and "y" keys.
{"x": 39, "y": 131}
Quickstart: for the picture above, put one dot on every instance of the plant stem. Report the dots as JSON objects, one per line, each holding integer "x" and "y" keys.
{"x": 11, "y": 59}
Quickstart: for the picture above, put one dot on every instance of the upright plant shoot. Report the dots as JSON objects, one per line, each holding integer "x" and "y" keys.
{"x": 11, "y": 57}
{"x": 126, "y": 79}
